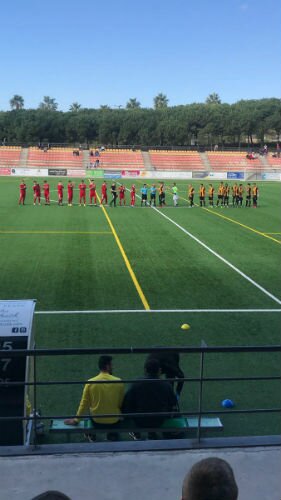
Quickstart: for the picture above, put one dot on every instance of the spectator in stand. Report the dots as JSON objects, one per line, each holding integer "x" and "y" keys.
{"x": 216, "y": 147}
{"x": 97, "y": 153}
{"x": 156, "y": 396}
{"x": 22, "y": 193}
{"x": 102, "y": 399}
{"x": 210, "y": 479}
{"x": 278, "y": 150}
{"x": 36, "y": 193}
{"x": 91, "y": 153}
{"x": 265, "y": 149}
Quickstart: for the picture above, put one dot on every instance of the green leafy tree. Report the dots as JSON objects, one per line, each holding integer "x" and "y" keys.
{"x": 17, "y": 102}
{"x": 160, "y": 101}
{"x": 48, "y": 104}
{"x": 104, "y": 106}
{"x": 75, "y": 106}
{"x": 133, "y": 103}
{"x": 213, "y": 98}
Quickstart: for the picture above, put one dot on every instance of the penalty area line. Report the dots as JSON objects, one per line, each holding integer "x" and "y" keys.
{"x": 161, "y": 311}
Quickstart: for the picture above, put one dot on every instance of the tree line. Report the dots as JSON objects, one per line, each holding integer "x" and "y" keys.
{"x": 208, "y": 123}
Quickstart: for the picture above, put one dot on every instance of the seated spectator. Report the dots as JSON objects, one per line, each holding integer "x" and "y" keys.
{"x": 210, "y": 479}
{"x": 91, "y": 153}
{"x": 101, "y": 398}
{"x": 97, "y": 153}
{"x": 51, "y": 495}
{"x": 149, "y": 397}
{"x": 170, "y": 367}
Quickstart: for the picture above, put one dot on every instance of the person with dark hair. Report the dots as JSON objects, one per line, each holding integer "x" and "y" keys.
{"x": 170, "y": 367}
{"x": 51, "y": 495}
{"x": 113, "y": 194}
{"x": 101, "y": 399}
{"x": 156, "y": 396}
{"x": 210, "y": 479}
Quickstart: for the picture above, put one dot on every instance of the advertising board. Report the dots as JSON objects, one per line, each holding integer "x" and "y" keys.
{"x": 271, "y": 176}
{"x": 130, "y": 173}
{"x": 60, "y": 172}
{"x": 95, "y": 172}
{"x": 5, "y": 171}
{"x": 235, "y": 175}
{"x": 76, "y": 173}
{"x": 29, "y": 172}
{"x": 112, "y": 174}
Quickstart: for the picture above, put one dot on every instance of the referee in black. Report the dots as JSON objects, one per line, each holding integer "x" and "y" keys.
{"x": 114, "y": 194}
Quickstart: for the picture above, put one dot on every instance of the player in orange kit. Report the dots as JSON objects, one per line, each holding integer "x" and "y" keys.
{"x": 133, "y": 195}
{"x": 60, "y": 193}
{"x": 70, "y": 187}
{"x": 93, "y": 192}
{"x": 122, "y": 191}
{"x": 22, "y": 193}
{"x": 36, "y": 193}
{"x": 46, "y": 188}
{"x": 82, "y": 193}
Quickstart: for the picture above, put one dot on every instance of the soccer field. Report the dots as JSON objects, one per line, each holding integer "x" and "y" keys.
{"x": 90, "y": 268}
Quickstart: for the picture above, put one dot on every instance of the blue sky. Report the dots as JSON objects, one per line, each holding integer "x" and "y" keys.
{"x": 106, "y": 52}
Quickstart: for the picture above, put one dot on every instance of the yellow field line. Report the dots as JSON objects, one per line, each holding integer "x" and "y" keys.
{"x": 55, "y": 232}
{"x": 265, "y": 235}
{"x": 126, "y": 260}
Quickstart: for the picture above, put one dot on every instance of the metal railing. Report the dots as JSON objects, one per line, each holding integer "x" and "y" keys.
{"x": 203, "y": 351}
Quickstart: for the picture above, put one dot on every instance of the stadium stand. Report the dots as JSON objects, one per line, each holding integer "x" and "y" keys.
{"x": 57, "y": 157}
{"x": 232, "y": 161}
{"x": 273, "y": 162}
{"x": 10, "y": 155}
{"x": 120, "y": 159}
{"x": 176, "y": 160}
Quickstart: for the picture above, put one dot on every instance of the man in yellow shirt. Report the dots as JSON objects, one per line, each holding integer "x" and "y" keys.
{"x": 101, "y": 399}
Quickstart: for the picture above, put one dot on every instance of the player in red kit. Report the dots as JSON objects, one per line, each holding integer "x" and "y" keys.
{"x": 46, "y": 187}
{"x": 36, "y": 193}
{"x": 82, "y": 193}
{"x": 22, "y": 192}
{"x": 93, "y": 192}
{"x": 104, "y": 193}
{"x": 60, "y": 193}
{"x": 133, "y": 195}
{"x": 70, "y": 187}
{"x": 122, "y": 191}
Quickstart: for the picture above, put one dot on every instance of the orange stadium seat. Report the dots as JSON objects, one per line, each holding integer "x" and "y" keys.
{"x": 120, "y": 159}
{"x": 176, "y": 160}
{"x": 58, "y": 157}
{"x": 273, "y": 162}
{"x": 9, "y": 156}
{"x": 232, "y": 161}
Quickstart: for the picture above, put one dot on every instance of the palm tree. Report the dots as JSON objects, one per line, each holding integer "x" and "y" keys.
{"x": 160, "y": 101}
{"x": 48, "y": 103}
{"x": 75, "y": 106}
{"x": 17, "y": 102}
{"x": 133, "y": 104}
{"x": 213, "y": 98}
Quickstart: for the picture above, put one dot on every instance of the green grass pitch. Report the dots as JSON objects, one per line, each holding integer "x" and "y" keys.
{"x": 67, "y": 258}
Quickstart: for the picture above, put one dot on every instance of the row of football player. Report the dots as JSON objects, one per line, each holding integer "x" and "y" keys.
{"x": 237, "y": 192}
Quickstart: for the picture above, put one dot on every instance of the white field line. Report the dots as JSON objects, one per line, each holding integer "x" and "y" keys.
{"x": 162, "y": 311}
{"x": 245, "y": 276}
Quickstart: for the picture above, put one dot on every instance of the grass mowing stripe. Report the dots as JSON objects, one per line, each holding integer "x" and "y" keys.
{"x": 159, "y": 311}
{"x": 262, "y": 289}
{"x": 126, "y": 260}
{"x": 55, "y": 232}
{"x": 265, "y": 235}
{"x": 266, "y": 292}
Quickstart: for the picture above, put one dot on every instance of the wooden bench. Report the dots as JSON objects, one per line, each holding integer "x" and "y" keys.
{"x": 179, "y": 425}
